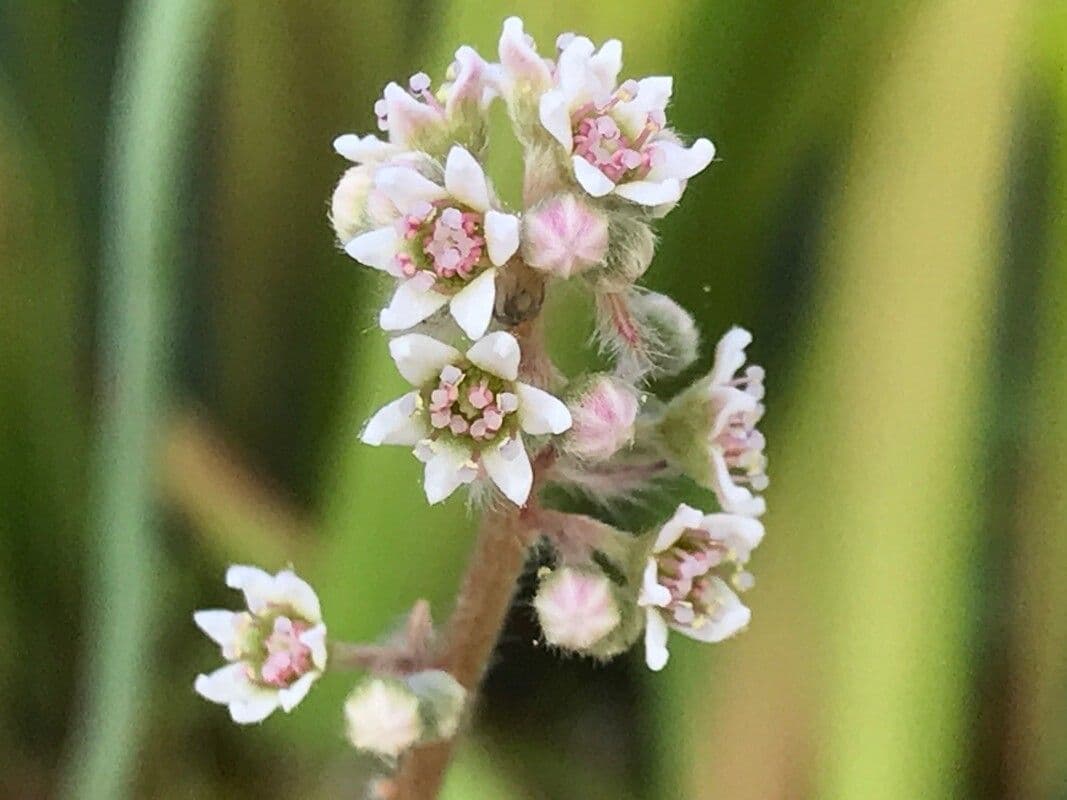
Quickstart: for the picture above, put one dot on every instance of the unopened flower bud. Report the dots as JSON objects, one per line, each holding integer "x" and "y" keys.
{"x": 564, "y": 235}
{"x": 441, "y": 701}
{"x": 382, "y": 717}
{"x": 670, "y": 329}
{"x": 603, "y": 413}
{"x": 576, "y": 608}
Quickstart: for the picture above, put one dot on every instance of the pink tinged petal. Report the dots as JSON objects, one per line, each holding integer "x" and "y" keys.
{"x": 741, "y": 534}
{"x": 446, "y": 470}
{"x": 685, "y": 517}
{"x": 555, "y": 116}
{"x": 365, "y": 149}
{"x": 591, "y": 178}
{"x": 256, "y": 584}
{"x": 651, "y": 193}
{"x": 224, "y": 685}
{"x": 734, "y": 499}
{"x": 465, "y": 179}
{"x": 729, "y": 619}
{"x": 652, "y": 592}
{"x": 291, "y": 696}
{"x": 376, "y": 248}
{"x": 677, "y": 161}
{"x": 407, "y": 188}
{"x": 656, "y": 631}
{"x": 294, "y": 592}
{"x": 315, "y": 639}
{"x": 468, "y": 87}
{"x": 519, "y": 58}
{"x": 396, "y": 423}
{"x": 420, "y": 358}
{"x": 501, "y": 235}
{"x": 219, "y": 625}
{"x": 406, "y": 114}
{"x": 497, "y": 353}
{"x": 472, "y": 307}
{"x": 410, "y": 305}
{"x": 540, "y": 412}
{"x": 508, "y": 466}
{"x": 729, "y": 355}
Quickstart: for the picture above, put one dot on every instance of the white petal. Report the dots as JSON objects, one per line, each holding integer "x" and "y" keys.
{"x": 407, "y": 187}
{"x": 733, "y": 616}
{"x": 446, "y": 471}
{"x": 465, "y": 179}
{"x": 497, "y": 353}
{"x": 421, "y": 358}
{"x": 289, "y": 697}
{"x": 741, "y": 534}
{"x": 685, "y": 517}
{"x": 656, "y": 631}
{"x": 651, "y": 193}
{"x": 501, "y": 235}
{"x": 592, "y": 179}
{"x": 315, "y": 639}
{"x": 472, "y": 308}
{"x": 296, "y": 593}
{"x": 376, "y": 248}
{"x": 224, "y": 685}
{"x": 605, "y": 66}
{"x": 682, "y": 162}
{"x": 410, "y": 306}
{"x": 509, "y": 468}
{"x": 366, "y": 149}
{"x": 652, "y": 592}
{"x": 729, "y": 355}
{"x": 556, "y": 118}
{"x": 655, "y": 91}
{"x": 256, "y": 584}
{"x": 734, "y": 499}
{"x": 653, "y": 94}
{"x": 396, "y": 423}
{"x": 256, "y": 708}
{"x": 573, "y": 73}
{"x": 540, "y": 412}
{"x": 219, "y": 625}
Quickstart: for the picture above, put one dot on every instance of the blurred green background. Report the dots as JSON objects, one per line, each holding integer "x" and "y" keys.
{"x": 186, "y": 359}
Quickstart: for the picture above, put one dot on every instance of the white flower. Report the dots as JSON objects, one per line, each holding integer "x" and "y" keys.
{"x": 680, "y": 590}
{"x": 382, "y": 717}
{"x": 616, "y": 136}
{"x": 419, "y": 118}
{"x": 467, "y": 414}
{"x": 722, "y": 411}
{"x": 276, "y": 649}
{"x": 444, "y": 244}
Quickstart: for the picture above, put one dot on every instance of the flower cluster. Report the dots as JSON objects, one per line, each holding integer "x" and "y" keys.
{"x": 488, "y": 410}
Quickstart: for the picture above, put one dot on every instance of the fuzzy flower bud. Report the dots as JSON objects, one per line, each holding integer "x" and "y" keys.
{"x": 603, "y": 413}
{"x": 349, "y": 202}
{"x": 671, "y": 331}
{"x": 382, "y": 717}
{"x": 564, "y": 235}
{"x": 442, "y": 701}
{"x": 576, "y": 608}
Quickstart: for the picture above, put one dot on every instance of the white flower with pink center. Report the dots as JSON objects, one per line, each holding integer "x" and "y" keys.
{"x": 444, "y": 244}
{"x": 467, "y": 414}
{"x": 739, "y": 466}
{"x": 687, "y": 580}
{"x": 276, "y": 649}
{"x": 615, "y": 135}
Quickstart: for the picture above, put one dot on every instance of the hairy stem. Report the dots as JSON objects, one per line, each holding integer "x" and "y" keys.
{"x": 471, "y": 636}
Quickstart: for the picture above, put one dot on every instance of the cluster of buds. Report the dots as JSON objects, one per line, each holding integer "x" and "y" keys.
{"x": 488, "y": 411}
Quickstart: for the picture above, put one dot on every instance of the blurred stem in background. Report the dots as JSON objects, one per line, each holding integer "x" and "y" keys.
{"x": 153, "y": 114}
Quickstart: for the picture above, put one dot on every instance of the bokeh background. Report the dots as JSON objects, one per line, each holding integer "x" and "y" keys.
{"x": 186, "y": 360}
